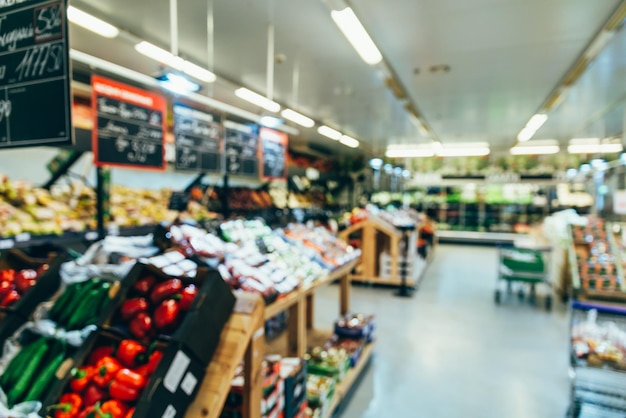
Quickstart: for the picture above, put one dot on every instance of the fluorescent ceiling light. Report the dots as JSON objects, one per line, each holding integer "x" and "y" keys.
{"x": 594, "y": 146}
{"x": 536, "y": 121}
{"x": 476, "y": 149}
{"x": 595, "y": 149}
{"x": 525, "y": 135}
{"x": 198, "y": 72}
{"x": 298, "y": 118}
{"x": 91, "y": 23}
{"x": 348, "y": 141}
{"x": 257, "y": 99}
{"x": 352, "y": 29}
{"x": 537, "y": 147}
{"x": 178, "y": 83}
{"x": 531, "y": 127}
{"x": 160, "y": 55}
{"x": 409, "y": 151}
{"x": 271, "y": 121}
{"x": 329, "y": 132}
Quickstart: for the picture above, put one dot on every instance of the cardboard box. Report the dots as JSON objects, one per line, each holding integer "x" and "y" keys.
{"x": 170, "y": 391}
{"x": 47, "y": 285}
{"x": 200, "y": 328}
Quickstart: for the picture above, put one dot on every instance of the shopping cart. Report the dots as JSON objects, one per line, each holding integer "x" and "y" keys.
{"x": 521, "y": 269}
{"x": 598, "y": 363}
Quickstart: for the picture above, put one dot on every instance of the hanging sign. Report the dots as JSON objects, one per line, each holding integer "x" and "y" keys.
{"x": 34, "y": 74}
{"x": 273, "y": 154}
{"x": 129, "y": 128}
{"x": 619, "y": 202}
{"x": 198, "y": 137}
{"x": 241, "y": 147}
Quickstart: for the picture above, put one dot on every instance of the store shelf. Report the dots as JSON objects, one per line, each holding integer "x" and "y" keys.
{"x": 297, "y": 295}
{"x": 26, "y": 240}
{"x": 245, "y": 325}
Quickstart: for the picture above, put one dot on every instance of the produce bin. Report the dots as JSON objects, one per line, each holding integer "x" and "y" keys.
{"x": 201, "y": 327}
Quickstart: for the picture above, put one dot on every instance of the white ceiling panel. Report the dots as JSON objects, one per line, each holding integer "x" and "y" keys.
{"x": 505, "y": 58}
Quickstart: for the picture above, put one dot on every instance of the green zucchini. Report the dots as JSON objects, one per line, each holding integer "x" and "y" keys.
{"x": 95, "y": 309}
{"x": 42, "y": 384}
{"x": 28, "y": 374}
{"x": 77, "y": 300}
{"x": 62, "y": 301}
{"x": 82, "y": 311}
{"x": 74, "y": 298}
{"x": 19, "y": 362}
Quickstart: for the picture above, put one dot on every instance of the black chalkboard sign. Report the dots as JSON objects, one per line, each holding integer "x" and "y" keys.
{"x": 241, "y": 149}
{"x": 35, "y": 105}
{"x": 129, "y": 128}
{"x": 179, "y": 201}
{"x": 198, "y": 139}
{"x": 274, "y": 153}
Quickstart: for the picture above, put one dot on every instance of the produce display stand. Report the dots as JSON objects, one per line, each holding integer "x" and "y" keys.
{"x": 598, "y": 378}
{"x": 301, "y": 333}
{"x": 242, "y": 336}
{"x": 377, "y": 237}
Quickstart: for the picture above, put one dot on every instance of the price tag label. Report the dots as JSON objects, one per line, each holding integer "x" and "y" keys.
{"x": 91, "y": 236}
{"x": 22, "y": 237}
{"x": 5, "y": 244}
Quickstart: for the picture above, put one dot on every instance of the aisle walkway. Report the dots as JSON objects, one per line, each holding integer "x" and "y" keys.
{"x": 449, "y": 352}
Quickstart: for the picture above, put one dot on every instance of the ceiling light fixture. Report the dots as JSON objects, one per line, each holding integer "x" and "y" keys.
{"x": 477, "y": 149}
{"x": 198, "y": 72}
{"x": 533, "y": 125}
{"x": 165, "y": 57}
{"x": 160, "y": 55}
{"x": 409, "y": 151}
{"x": 257, "y": 99}
{"x": 348, "y": 141}
{"x": 594, "y": 146}
{"x": 298, "y": 118}
{"x": 91, "y": 23}
{"x": 356, "y": 34}
{"x": 178, "y": 83}
{"x": 329, "y": 132}
{"x": 538, "y": 147}
{"x": 271, "y": 121}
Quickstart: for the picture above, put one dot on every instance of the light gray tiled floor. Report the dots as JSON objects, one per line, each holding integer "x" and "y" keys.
{"x": 449, "y": 352}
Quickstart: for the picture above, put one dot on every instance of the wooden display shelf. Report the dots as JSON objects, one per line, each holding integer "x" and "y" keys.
{"x": 242, "y": 336}
{"x": 344, "y": 387}
{"x": 297, "y": 295}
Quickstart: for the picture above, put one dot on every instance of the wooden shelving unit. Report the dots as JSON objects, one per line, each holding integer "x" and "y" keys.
{"x": 243, "y": 339}
{"x": 378, "y": 236}
{"x": 242, "y": 336}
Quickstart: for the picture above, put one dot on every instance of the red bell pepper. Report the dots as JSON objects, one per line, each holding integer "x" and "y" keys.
{"x": 131, "y": 379}
{"x": 106, "y": 369}
{"x": 141, "y": 326}
{"x": 144, "y": 285}
{"x": 93, "y": 394}
{"x": 7, "y": 275}
{"x": 153, "y": 361}
{"x": 25, "y": 279}
{"x": 11, "y": 297}
{"x": 166, "y": 315}
{"x": 99, "y": 353}
{"x": 130, "y": 413}
{"x": 81, "y": 378}
{"x": 165, "y": 290}
{"x": 132, "y": 307}
{"x": 69, "y": 406}
{"x": 188, "y": 295}
{"x": 123, "y": 392}
{"x": 131, "y": 353}
{"x": 111, "y": 409}
{"x": 5, "y": 287}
